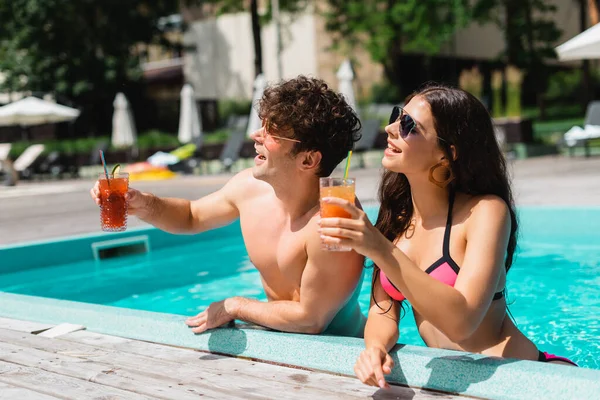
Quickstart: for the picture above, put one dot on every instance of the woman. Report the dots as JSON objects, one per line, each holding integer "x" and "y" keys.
{"x": 445, "y": 235}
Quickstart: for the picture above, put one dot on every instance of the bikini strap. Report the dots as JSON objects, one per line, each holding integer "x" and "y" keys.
{"x": 446, "y": 248}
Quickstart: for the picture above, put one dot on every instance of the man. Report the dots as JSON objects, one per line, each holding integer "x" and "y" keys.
{"x": 307, "y": 130}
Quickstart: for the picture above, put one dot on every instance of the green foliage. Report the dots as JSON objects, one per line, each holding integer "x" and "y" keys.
{"x": 556, "y": 112}
{"x": 82, "y": 51}
{"x": 552, "y": 132}
{"x": 384, "y": 92}
{"x": 388, "y": 28}
{"x": 17, "y": 148}
{"x": 217, "y": 136}
{"x": 156, "y": 138}
{"x": 385, "y": 27}
{"x": 514, "y": 80}
{"x": 147, "y": 140}
{"x": 564, "y": 85}
{"x": 497, "y": 108}
{"x": 513, "y": 100}
{"x": 529, "y": 28}
{"x": 66, "y": 146}
{"x": 230, "y": 107}
{"x": 497, "y": 105}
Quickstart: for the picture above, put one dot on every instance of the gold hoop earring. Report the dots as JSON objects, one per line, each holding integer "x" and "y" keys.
{"x": 444, "y": 183}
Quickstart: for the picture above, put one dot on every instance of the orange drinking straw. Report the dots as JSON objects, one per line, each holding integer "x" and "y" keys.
{"x": 347, "y": 164}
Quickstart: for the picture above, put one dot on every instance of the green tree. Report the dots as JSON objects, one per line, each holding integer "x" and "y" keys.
{"x": 82, "y": 51}
{"x": 387, "y": 28}
{"x": 528, "y": 25}
{"x": 530, "y": 36}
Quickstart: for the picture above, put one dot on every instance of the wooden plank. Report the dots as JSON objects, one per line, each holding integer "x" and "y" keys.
{"x": 186, "y": 359}
{"x": 145, "y": 371}
{"x": 60, "y": 386}
{"x": 22, "y": 326}
{"x": 114, "y": 376}
{"x": 347, "y": 386}
{"x": 9, "y": 392}
{"x": 264, "y": 379}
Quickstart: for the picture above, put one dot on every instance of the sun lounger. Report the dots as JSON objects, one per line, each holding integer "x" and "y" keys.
{"x": 23, "y": 164}
{"x": 578, "y": 136}
{"x": 233, "y": 146}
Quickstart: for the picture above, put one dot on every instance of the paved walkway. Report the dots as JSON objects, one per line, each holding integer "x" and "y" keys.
{"x": 35, "y": 211}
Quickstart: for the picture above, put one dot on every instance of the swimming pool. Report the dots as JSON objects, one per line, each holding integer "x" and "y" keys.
{"x": 554, "y": 285}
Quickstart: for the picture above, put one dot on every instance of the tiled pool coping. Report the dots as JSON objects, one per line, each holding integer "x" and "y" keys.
{"x": 443, "y": 370}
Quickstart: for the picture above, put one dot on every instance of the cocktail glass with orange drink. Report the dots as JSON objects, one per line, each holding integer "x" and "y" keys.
{"x": 113, "y": 205}
{"x": 343, "y": 189}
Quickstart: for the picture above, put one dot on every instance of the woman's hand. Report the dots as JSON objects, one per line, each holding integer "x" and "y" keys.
{"x": 356, "y": 232}
{"x": 371, "y": 366}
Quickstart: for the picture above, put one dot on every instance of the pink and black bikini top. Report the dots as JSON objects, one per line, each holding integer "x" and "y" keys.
{"x": 444, "y": 270}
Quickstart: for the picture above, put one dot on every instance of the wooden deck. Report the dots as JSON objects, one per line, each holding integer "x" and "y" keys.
{"x": 87, "y": 365}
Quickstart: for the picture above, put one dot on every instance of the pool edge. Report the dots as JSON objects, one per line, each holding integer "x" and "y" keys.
{"x": 442, "y": 370}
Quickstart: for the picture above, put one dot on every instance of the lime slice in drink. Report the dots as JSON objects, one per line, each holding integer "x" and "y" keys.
{"x": 116, "y": 169}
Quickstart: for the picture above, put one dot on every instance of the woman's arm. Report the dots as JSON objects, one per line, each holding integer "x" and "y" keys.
{"x": 456, "y": 311}
{"x": 381, "y": 334}
{"x": 382, "y": 328}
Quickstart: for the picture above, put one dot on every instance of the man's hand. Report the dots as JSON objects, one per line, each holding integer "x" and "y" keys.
{"x": 137, "y": 202}
{"x": 216, "y": 315}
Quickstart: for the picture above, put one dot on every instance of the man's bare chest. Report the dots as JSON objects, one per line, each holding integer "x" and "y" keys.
{"x": 276, "y": 249}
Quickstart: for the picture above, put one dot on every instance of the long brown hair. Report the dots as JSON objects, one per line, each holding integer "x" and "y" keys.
{"x": 461, "y": 120}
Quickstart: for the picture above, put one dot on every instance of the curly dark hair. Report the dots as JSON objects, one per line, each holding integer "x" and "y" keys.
{"x": 308, "y": 110}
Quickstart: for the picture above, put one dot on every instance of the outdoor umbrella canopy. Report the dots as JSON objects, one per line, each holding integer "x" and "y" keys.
{"x": 190, "y": 124}
{"x": 123, "y": 126}
{"x": 33, "y": 111}
{"x": 584, "y": 46}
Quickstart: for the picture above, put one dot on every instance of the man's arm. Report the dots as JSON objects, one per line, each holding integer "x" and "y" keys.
{"x": 185, "y": 216}
{"x": 328, "y": 281}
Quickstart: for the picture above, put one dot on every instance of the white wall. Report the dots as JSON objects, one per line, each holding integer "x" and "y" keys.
{"x": 222, "y": 63}
{"x": 222, "y": 66}
{"x": 299, "y": 54}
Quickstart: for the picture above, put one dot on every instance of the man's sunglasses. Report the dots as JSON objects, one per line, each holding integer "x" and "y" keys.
{"x": 407, "y": 123}
{"x": 266, "y": 133}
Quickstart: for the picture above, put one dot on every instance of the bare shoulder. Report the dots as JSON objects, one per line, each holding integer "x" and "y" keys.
{"x": 487, "y": 209}
{"x": 244, "y": 185}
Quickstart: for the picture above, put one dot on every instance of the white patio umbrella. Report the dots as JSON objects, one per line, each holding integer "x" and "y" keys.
{"x": 33, "y": 111}
{"x": 345, "y": 77}
{"x": 190, "y": 123}
{"x": 123, "y": 126}
{"x": 254, "y": 121}
{"x": 584, "y": 46}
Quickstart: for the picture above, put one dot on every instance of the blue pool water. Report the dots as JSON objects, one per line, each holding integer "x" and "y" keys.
{"x": 554, "y": 285}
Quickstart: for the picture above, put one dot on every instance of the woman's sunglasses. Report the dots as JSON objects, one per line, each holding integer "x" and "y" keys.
{"x": 407, "y": 123}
